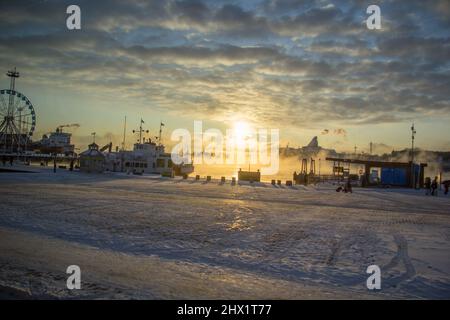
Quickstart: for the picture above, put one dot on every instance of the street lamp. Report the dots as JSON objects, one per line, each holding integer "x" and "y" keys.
{"x": 413, "y": 133}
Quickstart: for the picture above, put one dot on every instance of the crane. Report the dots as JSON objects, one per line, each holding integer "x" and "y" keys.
{"x": 73, "y": 125}
{"x": 106, "y": 147}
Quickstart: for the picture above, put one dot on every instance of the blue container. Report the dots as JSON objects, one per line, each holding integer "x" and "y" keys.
{"x": 400, "y": 178}
{"x": 387, "y": 176}
{"x": 393, "y": 176}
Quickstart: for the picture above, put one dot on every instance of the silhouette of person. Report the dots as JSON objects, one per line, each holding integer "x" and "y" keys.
{"x": 434, "y": 186}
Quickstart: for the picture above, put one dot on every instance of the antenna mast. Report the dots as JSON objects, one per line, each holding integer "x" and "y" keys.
{"x": 124, "y": 133}
{"x": 13, "y": 75}
{"x": 140, "y": 131}
{"x": 160, "y": 132}
{"x": 9, "y": 131}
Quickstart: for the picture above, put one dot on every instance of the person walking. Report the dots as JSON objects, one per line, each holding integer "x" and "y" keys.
{"x": 428, "y": 186}
{"x": 434, "y": 186}
{"x": 348, "y": 186}
{"x": 446, "y": 184}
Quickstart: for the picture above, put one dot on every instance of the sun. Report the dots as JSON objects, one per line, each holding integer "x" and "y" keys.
{"x": 241, "y": 132}
{"x": 241, "y": 128}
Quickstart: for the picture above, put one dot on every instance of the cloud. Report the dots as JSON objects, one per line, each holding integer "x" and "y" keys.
{"x": 279, "y": 61}
{"x": 381, "y": 148}
{"x": 336, "y": 132}
{"x": 340, "y": 132}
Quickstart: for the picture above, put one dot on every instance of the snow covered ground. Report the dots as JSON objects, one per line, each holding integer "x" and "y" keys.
{"x": 146, "y": 237}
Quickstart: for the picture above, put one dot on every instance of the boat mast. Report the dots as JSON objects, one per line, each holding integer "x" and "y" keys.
{"x": 140, "y": 131}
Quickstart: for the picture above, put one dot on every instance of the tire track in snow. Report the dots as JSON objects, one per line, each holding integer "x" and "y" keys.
{"x": 401, "y": 256}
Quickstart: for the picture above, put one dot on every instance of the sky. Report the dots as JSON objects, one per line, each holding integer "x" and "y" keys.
{"x": 308, "y": 68}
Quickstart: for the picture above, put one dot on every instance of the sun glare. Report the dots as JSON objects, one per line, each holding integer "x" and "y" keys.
{"x": 241, "y": 131}
{"x": 241, "y": 128}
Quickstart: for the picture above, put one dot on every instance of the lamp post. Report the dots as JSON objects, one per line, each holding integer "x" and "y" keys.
{"x": 413, "y": 177}
{"x": 319, "y": 169}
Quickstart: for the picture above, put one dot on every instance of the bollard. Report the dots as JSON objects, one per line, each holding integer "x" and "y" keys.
{"x": 288, "y": 183}
{"x": 279, "y": 182}
{"x": 208, "y": 178}
{"x": 273, "y": 182}
{"x": 233, "y": 181}
{"x": 185, "y": 176}
{"x": 197, "y": 177}
{"x": 222, "y": 179}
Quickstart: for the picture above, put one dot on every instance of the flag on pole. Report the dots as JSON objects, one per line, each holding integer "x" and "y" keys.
{"x": 162, "y": 124}
{"x": 142, "y": 121}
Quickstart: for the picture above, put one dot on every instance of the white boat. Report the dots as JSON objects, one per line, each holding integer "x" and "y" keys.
{"x": 146, "y": 157}
{"x": 56, "y": 142}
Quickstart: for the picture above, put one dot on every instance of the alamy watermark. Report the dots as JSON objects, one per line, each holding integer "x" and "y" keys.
{"x": 241, "y": 145}
{"x": 74, "y": 280}
{"x": 73, "y": 21}
{"x": 374, "y": 280}
{"x": 374, "y": 20}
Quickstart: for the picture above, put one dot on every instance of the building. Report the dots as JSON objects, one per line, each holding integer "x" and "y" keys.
{"x": 399, "y": 174}
{"x": 251, "y": 176}
{"x": 92, "y": 160}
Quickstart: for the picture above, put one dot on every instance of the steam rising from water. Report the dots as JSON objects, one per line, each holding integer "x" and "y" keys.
{"x": 289, "y": 164}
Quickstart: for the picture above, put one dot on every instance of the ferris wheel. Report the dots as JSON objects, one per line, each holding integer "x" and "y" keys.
{"x": 17, "y": 118}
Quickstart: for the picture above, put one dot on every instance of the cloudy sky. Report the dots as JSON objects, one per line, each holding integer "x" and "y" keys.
{"x": 306, "y": 67}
